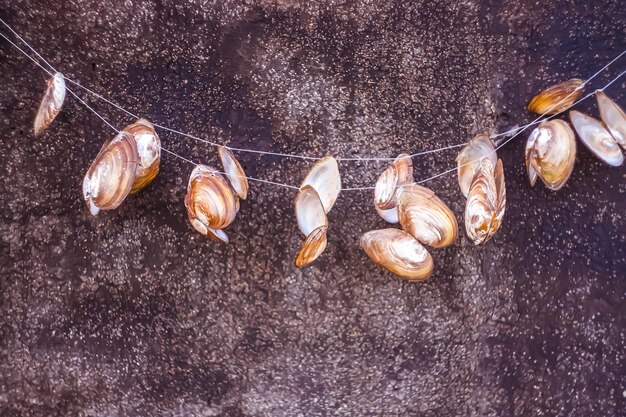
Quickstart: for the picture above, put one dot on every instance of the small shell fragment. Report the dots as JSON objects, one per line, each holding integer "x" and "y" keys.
{"x": 470, "y": 157}
{"x": 613, "y": 117}
{"x": 112, "y": 173}
{"x": 550, "y": 153}
{"x": 325, "y": 179}
{"x": 557, "y": 98}
{"x": 599, "y": 140}
{"x": 398, "y": 252}
{"x": 234, "y": 172}
{"x": 313, "y": 247}
{"x": 51, "y": 103}
{"x": 389, "y": 215}
{"x": 149, "y": 150}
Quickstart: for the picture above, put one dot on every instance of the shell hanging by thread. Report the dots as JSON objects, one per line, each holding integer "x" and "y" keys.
{"x": 470, "y": 157}
{"x": 426, "y": 217}
{"x": 234, "y": 172}
{"x": 550, "y": 153}
{"x": 398, "y": 252}
{"x": 557, "y": 98}
{"x": 398, "y": 173}
{"x": 51, "y": 103}
{"x": 613, "y": 117}
{"x": 324, "y": 177}
{"x": 211, "y": 203}
{"x": 313, "y": 224}
{"x": 149, "y": 150}
{"x": 112, "y": 173}
{"x": 486, "y": 202}
{"x": 599, "y": 140}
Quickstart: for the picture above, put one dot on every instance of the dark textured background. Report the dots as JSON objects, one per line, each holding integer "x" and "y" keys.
{"x": 132, "y": 313}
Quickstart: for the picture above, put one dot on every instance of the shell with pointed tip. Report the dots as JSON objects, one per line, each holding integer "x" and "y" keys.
{"x": 613, "y": 117}
{"x": 470, "y": 158}
{"x": 599, "y": 140}
{"x": 313, "y": 246}
{"x": 235, "y": 173}
{"x": 149, "y": 150}
{"x": 551, "y": 153}
{"x": 51, "y": 103}
{"x": 398, "y": 252}
{"x": 425, "y": 216}
{"x": 400, "y": 172}
{"x": 324, "y": 177}
{"x": 211, "y": 202}
{"x": 486, "y": 202}
{"x": 309, "y": 209}
{"x": 111, "y": 175}
{"x": 557, "y": 98}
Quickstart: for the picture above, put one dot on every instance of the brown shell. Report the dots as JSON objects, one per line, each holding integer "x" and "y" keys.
{"x": 557, "y": 98}
{"x": 400, "y": 172}
{"x": 234, "y": 172}
{"x": 51, "y": 103}
{"x": 470, "y": 157}
{"x": 313, "y": 247}
{"x": 149, "y": 150}
{"x": 597, "y": 138}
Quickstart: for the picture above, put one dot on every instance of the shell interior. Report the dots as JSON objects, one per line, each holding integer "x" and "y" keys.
{"x": 595, "y": 137}
{"x": 325, "y": 179}
{"x": 309, "y": 209}
{"x": 613, "y": 117}
{"x": 234, "y": 172}
{"x": 470, "y": 157}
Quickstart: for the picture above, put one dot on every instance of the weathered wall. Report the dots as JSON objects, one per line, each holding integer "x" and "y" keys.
{"x": 132, "y": 313}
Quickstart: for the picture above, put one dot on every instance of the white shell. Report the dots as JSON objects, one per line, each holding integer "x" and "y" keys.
{"x": 234, "y": 172}
{"x": 469, "y": 159}
{"x": 613, "y": 117}
{"x": 597, "y": 138}
{"x": 325, "y": 179}
{"x": 310, "y": 212}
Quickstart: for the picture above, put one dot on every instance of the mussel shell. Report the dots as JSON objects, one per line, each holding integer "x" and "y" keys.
{"x": 425, "y": 216}
{"x": 309, "y": 209}
{"x": 111, "y": 174}
{"x": 211, "y": 203}
{"x": 551, "y": 153}
{"x": 149, "y": 150}
{"x": 313, "y": 247}
{"x": 470, "y": 157}
{"x": 234, "y": 172}
{"x": 486, "y": 202}
{"x": 389, "y": 215}
{"x": 325, "y": 179}
{"x": 595, "y": 137}
{"x": 557, "y": 98}
{"x": 51, "y": 103}
{"x": 398, "y": 252}
{"x": 613, "y": 117}
{"x": 400, "y": 172}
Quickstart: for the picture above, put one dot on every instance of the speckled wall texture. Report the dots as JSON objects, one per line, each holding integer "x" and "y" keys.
{"x": 133, "y": 313}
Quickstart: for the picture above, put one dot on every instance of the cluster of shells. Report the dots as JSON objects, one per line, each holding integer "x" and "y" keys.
{"x": 551, "y": 147}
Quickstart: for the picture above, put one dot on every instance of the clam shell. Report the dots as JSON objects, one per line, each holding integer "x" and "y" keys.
{"x": 486, "y": 202}
{"x": 234, "y": 172}
{"x": 313, "y": 247}
{"x": 309, "y": 209}
{"x": 551, "y": 153}
{"x": 398, "y": 252}
{"x": 425, "y": 216}
{"x": 51, "y": 103}
{"x": 149, "y": 150}
{"x": 470, "y": 158}
{"x": 599, "y": 140}
{"x": 613, "y": 117}
{"x": 557, "y": 98}
{"x": 389, "y": 215}
{"x": 400, "y": 172}
{"x": 111, "y": 174}
{"x": 210, "y": 201}
{"x": 324, "y": 177}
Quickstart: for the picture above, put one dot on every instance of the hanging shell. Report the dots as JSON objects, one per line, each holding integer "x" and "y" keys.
{"x": 400, "y": 172}
{"x": 599, "y": 140}
{"x": 313, "y": 247}
{"x": 470, "y": 157}
{"x": 235, "y": 173}
{"x": 51, "y": 103}
{"x": 557, "y": 98}
{"x": 111, "y": 175}
{"x": 211, "y": 203}
{"x": 149, "y": 150}
{"x": 324, "y": 177}
{"x": 550, "y": 153}
{"x": 389, "y": 215}
{"x": 398, "y": 252}
{"x": 425, "y": 216}
{"x": 613, "y": 117}
{"x": 313, "y": 223}
{"x": 486, "y": 202}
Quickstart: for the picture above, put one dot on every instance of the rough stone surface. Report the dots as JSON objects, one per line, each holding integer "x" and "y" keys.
{"x": 133, "y": 313}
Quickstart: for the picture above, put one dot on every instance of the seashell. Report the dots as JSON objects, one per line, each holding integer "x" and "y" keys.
{"x": 470, "y": 158}
{"x": 51, "y": 103}
{"x": 398, "y": 252}
{"x": 211, "y": 202}
{"x": 111, "y": 175}
{"x": 313, "y": 247}
{"x": 235, "y": 173}
{"x": 425, "y": 216}
{"x": 599, "y": 140}
{"x": 486, "y": 202}
{"x": 309, "y": 209}
{"x": 557, "y": 98}
{"x": 324, "y": 177}
{"x": 389, "y": 215}
{"x": 550, "y": 153}
{"x": 613, "y": 117}
{"x": 149, "y": 150}
{"x": 400, "y": 172}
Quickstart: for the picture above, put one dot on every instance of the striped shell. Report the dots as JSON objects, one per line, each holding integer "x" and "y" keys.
{"x": 51, "y": 103}
{"x": 557, "y": 98}
{"x": 149, "y": 150}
